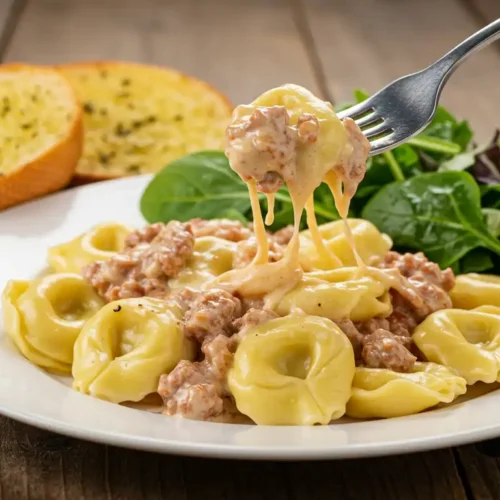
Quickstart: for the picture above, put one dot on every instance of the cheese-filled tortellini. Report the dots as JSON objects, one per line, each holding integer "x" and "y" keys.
{"x": 474, "y": 290}
{"x": 295, "y": 370}
{"x": 380, "y": 393}
{"x": 100, "y": 243}
{"x": 211, "y": 257}
{"x": 44, "y": 317}
{"x": 468, "y": 341}
{"x": 370, "y": 244}
{"x": 338, "y": 294}
{"x": 126, "y": 346}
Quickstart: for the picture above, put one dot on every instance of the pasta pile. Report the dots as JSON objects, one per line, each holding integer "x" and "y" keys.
{"x": 225, "y": 322}
{"x": 294, "y": 370}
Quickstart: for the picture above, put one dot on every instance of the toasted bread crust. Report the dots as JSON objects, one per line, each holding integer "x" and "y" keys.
{"x": 54, "y": 167}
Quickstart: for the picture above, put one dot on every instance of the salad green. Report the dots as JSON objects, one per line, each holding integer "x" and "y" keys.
{"x": 439, "y": 193}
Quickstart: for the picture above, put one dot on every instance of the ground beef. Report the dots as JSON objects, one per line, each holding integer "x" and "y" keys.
{"x": 199, "y": 390}
{"x": 382, "y": 349}
{"x": 231, "y": 230}
{"x": 353, "y": 334}
{"x": 283, "y": 236}
{"x": 253, "y": 317}
{"x": 144, "y": 235}
{"x": 211, "y": 314}
{"x": 247, "y": 250}
{"x": 262, "y": 146}
{"x": 430, "y": 287}
{"x": 143, "y": 268}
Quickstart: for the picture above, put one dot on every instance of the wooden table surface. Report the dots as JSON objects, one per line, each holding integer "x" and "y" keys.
{"x": 245, "y": 47}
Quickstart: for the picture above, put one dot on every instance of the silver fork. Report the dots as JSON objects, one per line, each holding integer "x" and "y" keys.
{"x": 403, "y": 108}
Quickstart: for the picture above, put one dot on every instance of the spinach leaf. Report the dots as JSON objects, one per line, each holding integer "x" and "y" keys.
{"x": 437, "y": 213}
{"x": 198, "y": 185}
{"x": 204, "y": 185}
{"x": 492, "y": 220}
{"x": 476, "y": 261}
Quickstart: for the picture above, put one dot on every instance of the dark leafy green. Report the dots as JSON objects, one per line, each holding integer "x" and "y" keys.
{"x": 476, "y": 261}
{"x": 437, "y": 213}
{"x": 197, "y": 185}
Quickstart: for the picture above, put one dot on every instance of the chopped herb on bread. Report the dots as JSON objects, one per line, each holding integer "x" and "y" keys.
{"x": 138, "y": 118}
{"x": 41, "y": 132}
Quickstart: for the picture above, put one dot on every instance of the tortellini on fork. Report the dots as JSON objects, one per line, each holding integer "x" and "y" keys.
{"x": 474, "y": 290}
{"x": 99, "y": 243}
{"x": 370, "y": 244}
{"x": 45, "y": 316}
{"x": 295, "y": 370}
{"x": 467, "y": 341}
{"x": 338, "y": 294}
{"x": 380, "y": 393}
{"x": 126, "y": 346}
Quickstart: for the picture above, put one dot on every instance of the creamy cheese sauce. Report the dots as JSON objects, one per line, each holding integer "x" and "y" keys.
{"x": 289, "y": 136}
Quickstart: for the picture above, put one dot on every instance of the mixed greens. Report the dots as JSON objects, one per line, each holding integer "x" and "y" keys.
{"x": 439, "y": 193}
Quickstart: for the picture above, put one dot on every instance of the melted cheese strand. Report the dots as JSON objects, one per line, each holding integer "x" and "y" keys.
{"x": 319, "y": 243}
{"x": 262, "y": 255}
{"x": 270, "y": 209}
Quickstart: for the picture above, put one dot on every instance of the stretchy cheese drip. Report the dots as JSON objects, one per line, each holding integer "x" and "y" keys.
{"x": 342, "y": 202}
{"x": 270, "y": 209}
{"x": 258, "y": 224}
{"x": 325, "y": 254}
{"x": 287, "y": 135}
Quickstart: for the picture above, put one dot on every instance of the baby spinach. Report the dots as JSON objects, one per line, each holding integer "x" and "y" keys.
{"x": 197, "y": 185}
{"x": 204, "y": 185}
{"x": 437, "y": 213}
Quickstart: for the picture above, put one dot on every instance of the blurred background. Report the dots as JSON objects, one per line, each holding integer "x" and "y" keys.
{"x": 245, "y": 47}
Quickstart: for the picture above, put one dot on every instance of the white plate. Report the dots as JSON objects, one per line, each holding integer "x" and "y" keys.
{"x": 32, "y": 396}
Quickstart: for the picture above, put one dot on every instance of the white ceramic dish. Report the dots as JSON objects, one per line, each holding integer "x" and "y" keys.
{"x": 32, "y": 396}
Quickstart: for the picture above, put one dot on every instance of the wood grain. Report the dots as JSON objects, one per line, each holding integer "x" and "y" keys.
{"x": 242, "y": 47}
{"x": 480, "y": 472}
{"x": 37, "y": 464}
{"x": 8, "y": 20}
{"x": 367, "y": 44}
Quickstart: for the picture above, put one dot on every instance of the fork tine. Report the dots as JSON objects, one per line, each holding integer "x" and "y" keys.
{"x": 380, "y": 145}
{"x": 356, "y": 110}
{"x": 368, "y": 119}
{"x": 377, "y": 130}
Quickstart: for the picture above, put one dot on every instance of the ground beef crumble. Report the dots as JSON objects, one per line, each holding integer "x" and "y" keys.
{"x": 382, "y": 349}
{"x": 386, "y": 342}
{"x": 211, "y": 314}
{"x": 198, "y": 390}
{"x": 151, "y": 256}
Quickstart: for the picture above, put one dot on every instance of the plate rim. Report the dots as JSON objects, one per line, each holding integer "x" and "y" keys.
{"x": 204, "y": 449}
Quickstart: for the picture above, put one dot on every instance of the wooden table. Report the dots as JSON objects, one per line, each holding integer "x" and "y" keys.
{"x": 245, "y": 47}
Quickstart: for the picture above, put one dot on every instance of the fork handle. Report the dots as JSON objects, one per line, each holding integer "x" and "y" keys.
{"x": 450, "y": 61}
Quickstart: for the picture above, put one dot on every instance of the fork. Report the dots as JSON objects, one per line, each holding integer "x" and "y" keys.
{"x": 403, "y": 108}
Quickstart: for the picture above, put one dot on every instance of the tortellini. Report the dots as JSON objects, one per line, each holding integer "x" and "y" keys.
{"x": 370, "y": 244}
{"x": 380, "y": 393}
{"x": 100, "y": 243}
{"x": 45, "y": 316}
{"x": 126, "y": 346}
{"x": 338, "y": 294}
{"x": 211, "y": 257}
{"x": 474, "y": 290}
{"x": 468, "y": 341}
{"x": 295, "y": 370}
